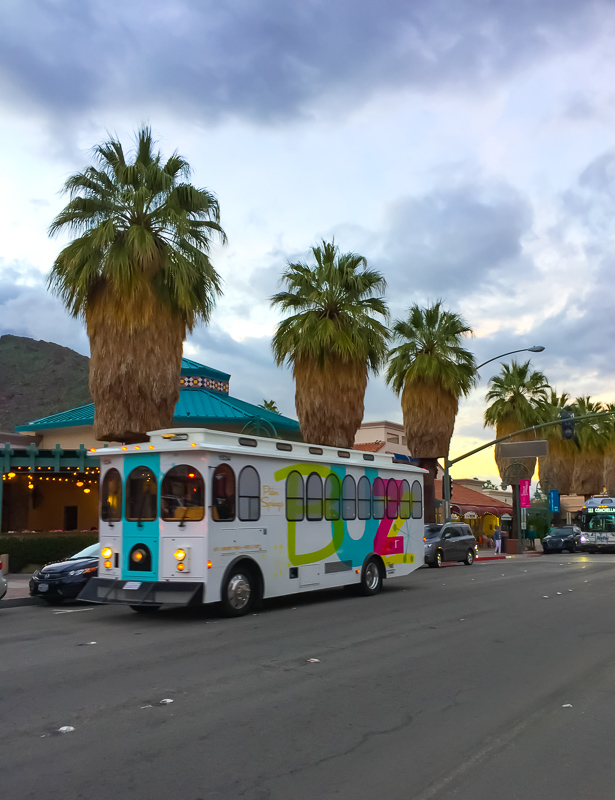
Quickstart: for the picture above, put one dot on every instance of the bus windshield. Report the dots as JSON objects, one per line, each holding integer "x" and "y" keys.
{"x": 603, "y": 522}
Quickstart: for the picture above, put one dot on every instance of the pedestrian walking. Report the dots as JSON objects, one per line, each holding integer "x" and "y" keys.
{"x": 531, "y": 535}
{"x": 497, "y": 538}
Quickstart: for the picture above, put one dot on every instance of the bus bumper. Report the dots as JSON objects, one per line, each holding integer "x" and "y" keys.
{"x": 143, "y": 593}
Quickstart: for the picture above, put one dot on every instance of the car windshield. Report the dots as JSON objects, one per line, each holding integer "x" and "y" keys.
{"x": 93, "y": 551}
{"x": 561, "y": 532}
{"x": 432, "y": 531}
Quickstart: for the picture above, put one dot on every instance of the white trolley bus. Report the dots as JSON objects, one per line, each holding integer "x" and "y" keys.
{"x": 200, "y": 516}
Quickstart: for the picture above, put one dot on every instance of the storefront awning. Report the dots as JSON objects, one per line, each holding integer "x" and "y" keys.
{"x": 461, "y": 509}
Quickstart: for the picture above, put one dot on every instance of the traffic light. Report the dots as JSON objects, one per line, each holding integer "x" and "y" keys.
{"x": 450, "y": 487}
{"x": 567, "y": 424}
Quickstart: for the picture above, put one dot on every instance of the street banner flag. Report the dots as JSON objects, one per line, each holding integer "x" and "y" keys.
{"x": 524, "y": 489}
{"x": 553, "y": 500}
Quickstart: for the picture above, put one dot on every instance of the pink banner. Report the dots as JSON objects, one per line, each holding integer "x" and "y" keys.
{"x": 524, "y": 489}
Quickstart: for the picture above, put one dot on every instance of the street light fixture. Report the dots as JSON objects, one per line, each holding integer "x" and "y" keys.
{"x": 537, "y": 348}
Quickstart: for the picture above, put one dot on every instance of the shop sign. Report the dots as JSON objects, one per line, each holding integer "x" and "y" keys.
{"x": 470, "y": 515}
{"x": 506, "y": 517}
{"x": 455, "y": 517}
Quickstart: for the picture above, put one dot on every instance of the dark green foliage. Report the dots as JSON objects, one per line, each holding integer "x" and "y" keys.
{"x": 38, "y": 379}
{"x": 24, "y": 550}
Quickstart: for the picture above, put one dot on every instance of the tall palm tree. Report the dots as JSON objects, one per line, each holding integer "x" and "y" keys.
{"x": 557, "y": 467}
{"x": 140, "y": 275}
{"x": 518, "y": 397}
{"x": 588, "y": 475}
{"x": 431, "y": 370}
{"x": 332, "y": 339}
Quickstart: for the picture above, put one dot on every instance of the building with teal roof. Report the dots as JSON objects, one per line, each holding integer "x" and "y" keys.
{"x": 49, "y": 484}
{"x": 204, "y": 401}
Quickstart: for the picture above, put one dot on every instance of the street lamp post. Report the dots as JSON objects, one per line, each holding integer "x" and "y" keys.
{"x": 446, "y": 494}
{"x": 537, "y": 348}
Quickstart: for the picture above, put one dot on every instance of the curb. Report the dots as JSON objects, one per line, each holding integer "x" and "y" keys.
{"x": 17, "y": 602}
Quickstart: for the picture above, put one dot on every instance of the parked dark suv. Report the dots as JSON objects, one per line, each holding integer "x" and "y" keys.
{"x": 453, "y": 541}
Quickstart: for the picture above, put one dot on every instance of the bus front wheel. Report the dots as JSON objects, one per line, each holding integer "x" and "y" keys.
{"x": 371, "y": 578}
{"x": 238, "y": 592}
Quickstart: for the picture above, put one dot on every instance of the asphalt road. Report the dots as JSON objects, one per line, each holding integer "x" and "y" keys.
{"x": 449, "y": 684}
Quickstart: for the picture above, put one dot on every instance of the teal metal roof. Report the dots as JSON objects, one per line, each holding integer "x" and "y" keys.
{"x": 194, "y": 369}
{"x": 195, "y": 406}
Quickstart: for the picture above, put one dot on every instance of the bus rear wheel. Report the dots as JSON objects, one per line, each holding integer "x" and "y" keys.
{"x": 371, "y": 578}
{"x": 238, "y": 592}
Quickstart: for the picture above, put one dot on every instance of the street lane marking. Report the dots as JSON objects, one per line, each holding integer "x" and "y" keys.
{"x": 73, "y": 611}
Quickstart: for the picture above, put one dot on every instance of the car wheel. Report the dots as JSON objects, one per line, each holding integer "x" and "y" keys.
{"x": 431, "y": 563}
{"x": 238, "y": 592}
{"x": 469, "y": 559}
{"x": 371, "y": 578}
{"x": 145, "y": 609}
{"x": 438, "y": 559}
{"x": 53, "y": 601}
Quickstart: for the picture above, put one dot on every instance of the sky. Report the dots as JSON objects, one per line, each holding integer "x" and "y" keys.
{"x": 465, "y": 149}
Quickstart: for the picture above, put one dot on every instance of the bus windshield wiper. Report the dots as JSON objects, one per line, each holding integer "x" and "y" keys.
{"x": 182, "y": 521}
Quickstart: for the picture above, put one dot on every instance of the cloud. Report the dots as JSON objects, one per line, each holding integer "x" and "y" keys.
{"x": 456, "y": 239}
{"x": 270, "y": 60}
{"x": 27, "y": 309}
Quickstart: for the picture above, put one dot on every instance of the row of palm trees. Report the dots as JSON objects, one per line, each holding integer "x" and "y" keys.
{"x": 140, "y": 275}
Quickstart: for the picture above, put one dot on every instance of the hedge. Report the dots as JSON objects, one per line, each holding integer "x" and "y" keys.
{"x": 24, "y": 550}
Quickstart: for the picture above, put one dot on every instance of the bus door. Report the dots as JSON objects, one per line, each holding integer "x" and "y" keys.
{"x": 235, "y": 513}
{"x": 182, "y": 522}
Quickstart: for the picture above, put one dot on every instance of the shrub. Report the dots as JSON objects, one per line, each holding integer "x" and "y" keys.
{"x": 29, "y": 549}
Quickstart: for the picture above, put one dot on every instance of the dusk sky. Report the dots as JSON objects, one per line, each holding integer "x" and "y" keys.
{"x": 465, "y": 148}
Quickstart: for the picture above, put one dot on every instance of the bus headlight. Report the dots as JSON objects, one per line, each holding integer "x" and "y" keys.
{"x": 181, "y": 567}
{"x": 180, "y": 555}
{"x": 107, "y": 564}
{"x": 106, "y": 552}
{"x": 583, "y": 538}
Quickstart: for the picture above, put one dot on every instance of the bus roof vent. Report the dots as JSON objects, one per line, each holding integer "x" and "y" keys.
{"x": 316, "y": 451}
{"x": 368, "y": 457}
{"x": 283, "y": 446}
{"x": 247, "y": 442}
{"x": 343, "y": 454}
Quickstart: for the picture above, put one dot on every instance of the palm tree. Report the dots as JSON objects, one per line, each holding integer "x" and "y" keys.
{"x": 140, "y": 275}
{"x": 519, "y": 396}
{"x": 588, "y": 475}
{"x": 431, "y": 370}
{"x": 557, "y": 467}
{"x": 270, "y": 405}
{"x": 332, "y": 339}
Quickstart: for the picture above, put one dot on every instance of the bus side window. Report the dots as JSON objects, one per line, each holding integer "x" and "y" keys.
{"x": 365, "y": 498}
{"x": 182, "y": 495}
{"x": 295, "y": 500}
{"x": 349, "y": 498}
{"x": 392, "y": 501}
{"x": 417, "y": 500}
{"x": 333, "y": 491}
{"x": 314, "y": 497}
{"x": 111, "y": 496}
{"x": 405, "y": 504}
{"x": 223, "y": 494}
{"x": 249, "y": 495}
{"x": 378, "y": 495}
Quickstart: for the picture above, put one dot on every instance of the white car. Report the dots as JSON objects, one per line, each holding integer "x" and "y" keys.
{"x": 3, "y": 583}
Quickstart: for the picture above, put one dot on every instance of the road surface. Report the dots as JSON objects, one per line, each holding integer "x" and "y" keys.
{"x": 452, "y": 683}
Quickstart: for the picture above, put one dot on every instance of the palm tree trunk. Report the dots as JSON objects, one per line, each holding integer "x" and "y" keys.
{"x": 429, "y": 488}
{"x": 135, "y": 367}
{"x": 330, "y": 401}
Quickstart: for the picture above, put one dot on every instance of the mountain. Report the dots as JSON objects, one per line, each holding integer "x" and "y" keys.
{"x": 38, "y": 379}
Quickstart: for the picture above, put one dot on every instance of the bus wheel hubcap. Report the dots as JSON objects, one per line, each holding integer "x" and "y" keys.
{"x": 239, "y": 591}
{"x": 371, "y": 576}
